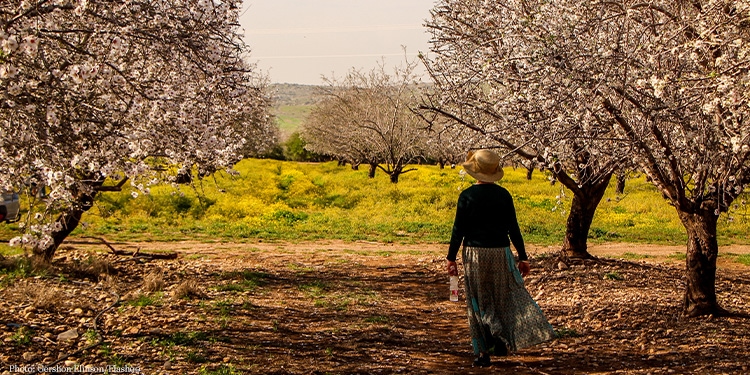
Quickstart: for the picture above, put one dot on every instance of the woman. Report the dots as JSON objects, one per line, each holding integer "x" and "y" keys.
{"x": 502, "y": 314}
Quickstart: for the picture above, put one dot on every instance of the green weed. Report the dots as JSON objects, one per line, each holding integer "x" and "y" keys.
{"x": 91, "y": 336}
{"x": 564, "y": 332}
{"x": 195, "y": 357}
{"x": 221, "y": 370}
{"x": 117, "y": 360}
{"x": 314, "y": 289}
{"x": 143, "y": 300}
{"x": 15, "y": 268}
{"x": 224, "y": 307}
{"x": 181, "y": 339}
{"x": 22, "y": 336}
{"x": 635, "y": 256}
{"x": 614, "y": 275}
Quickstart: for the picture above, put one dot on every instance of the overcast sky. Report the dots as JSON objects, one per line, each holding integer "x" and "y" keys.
{"x": 298, "y": 41}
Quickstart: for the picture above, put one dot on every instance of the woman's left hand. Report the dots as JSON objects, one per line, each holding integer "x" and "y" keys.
{"x": 524, "y": 267}
{"x": 452, "y": 268}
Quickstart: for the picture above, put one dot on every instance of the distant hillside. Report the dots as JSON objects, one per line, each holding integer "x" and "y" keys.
{"x": 292, "y": 104}
{"x": 288, "y": 94}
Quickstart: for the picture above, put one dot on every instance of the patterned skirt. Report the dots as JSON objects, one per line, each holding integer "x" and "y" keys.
{"x": 500, "y": 309}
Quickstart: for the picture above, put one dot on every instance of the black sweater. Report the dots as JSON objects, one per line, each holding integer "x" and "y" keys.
{"x": 486, "y": 217}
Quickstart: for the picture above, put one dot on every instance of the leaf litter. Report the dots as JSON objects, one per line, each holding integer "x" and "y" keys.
{"x": 355, "y": 308}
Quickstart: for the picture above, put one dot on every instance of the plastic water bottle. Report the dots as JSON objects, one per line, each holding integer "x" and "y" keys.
{"x": 454, "y": 288}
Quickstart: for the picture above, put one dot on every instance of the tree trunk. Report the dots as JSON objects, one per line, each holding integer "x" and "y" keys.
{"x": 620, "y": 189}
{"x": 529, "y": 172}
{"x": 371, "y": 172}
{"x": 582, "y": 210}
{"x": 702, "y": 251}
{"x": 69, "y": 221}
{"x": 441, "y": 163}
{"x": 394, "y": 176}
{"x": 355, "y": 166}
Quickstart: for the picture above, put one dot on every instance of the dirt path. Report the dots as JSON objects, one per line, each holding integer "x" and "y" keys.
{"x": 361, "y": 308}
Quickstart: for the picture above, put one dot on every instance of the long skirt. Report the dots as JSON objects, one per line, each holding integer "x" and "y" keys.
{"x": 501, "y": 311}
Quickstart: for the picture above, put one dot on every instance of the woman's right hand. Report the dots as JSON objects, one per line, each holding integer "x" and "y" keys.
{"x": 524, "y": 267}
{"x": 452, "y": 268}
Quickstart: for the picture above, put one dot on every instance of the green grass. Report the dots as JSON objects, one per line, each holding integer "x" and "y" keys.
{"x": 635, "y": 256}
{"x": 181, "y": 339}
{"x": 273, "y": 200}
{"x": 143, "y": 300}
{"x": 291, "y": 117}
{"x": 677, "y": 256}
{"x": 614, "y": 275}
{"x": 15, "y": 268}
{"x": 744, "y": 259}
{"x": 245, "y": 281}
{"x": 737, "y": 258}
{"x": 221, "y": 370}
{"x": 314, "y": 289}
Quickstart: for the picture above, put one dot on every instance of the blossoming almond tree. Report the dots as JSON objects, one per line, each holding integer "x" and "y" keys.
{"x": 496, "y": 72}
{"x": 684, "y": 104}
{"x": 367, "y": 117}
{"x": 664, "y": 81}
{"x": 94, "y": 93}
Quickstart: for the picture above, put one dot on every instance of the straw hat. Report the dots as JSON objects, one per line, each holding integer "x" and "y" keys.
{"x": 484, "y": 165}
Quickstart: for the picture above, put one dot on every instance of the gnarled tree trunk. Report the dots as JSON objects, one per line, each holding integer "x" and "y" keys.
{"x": 69, "y": 221}
{"x": 395, "y": 174}
{"x": 702, "y": 251}
{"x": 585, "y": 200}
{"x": 621, "y": 178}
{"x": 373, "y": 168}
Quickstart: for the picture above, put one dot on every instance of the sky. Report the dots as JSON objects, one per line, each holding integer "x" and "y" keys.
{"x": 299, "y": 41}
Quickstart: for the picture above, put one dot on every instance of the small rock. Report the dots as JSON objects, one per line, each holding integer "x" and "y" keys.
{"x": 28, "y": 356}
{"x": 168, "y": 365}
{"x": 70, "y": 363}
{"x": 78, "y": 311}
{"x": 562, "y": 266}
{"x": 70, "y": 334}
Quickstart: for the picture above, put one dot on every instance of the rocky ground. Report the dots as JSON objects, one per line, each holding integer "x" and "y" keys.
{"x": 353, "y": 308}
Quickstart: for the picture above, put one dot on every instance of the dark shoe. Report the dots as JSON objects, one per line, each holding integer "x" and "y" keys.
{"x": 482, "y": 361}
{"x": 500, "y": 349}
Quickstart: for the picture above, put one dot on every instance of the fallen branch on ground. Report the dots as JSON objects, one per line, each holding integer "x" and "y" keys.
{"x": 137, "y": 253}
